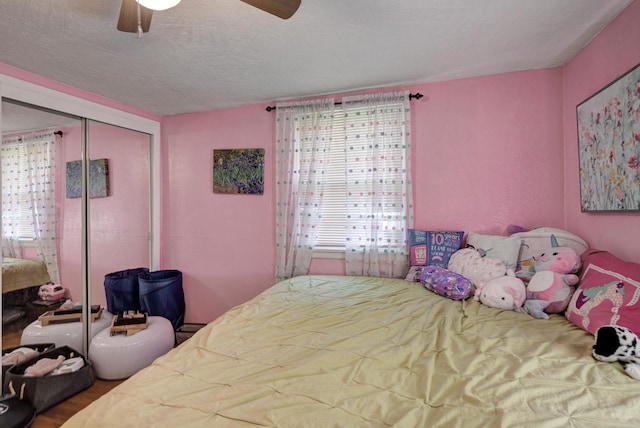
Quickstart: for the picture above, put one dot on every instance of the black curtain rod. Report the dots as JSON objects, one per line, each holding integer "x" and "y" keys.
{"x": 60, "y": 133}
{"x": 417, "y": 96}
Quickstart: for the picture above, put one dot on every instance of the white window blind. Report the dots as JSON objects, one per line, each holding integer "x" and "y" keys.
{"x": 346, "y": 125}
{"x": 15, "y": 181}
{"x": 25, "y": 229}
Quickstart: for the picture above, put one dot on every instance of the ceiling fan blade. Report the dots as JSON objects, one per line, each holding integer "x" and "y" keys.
{"x": 128, "y": 20}
{"x": 281, "y": 8}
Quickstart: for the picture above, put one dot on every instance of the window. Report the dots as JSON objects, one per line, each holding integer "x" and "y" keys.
{"x": 343, "y": 183}
{"x": 347, "y": 123}
{"x": 333, "y": 222}
{"x": 17, "y": 206}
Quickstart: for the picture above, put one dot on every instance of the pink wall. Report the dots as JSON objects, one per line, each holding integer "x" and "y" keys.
{"x": 223, "y": 244}
{"x": 612, "y": 53}
{"x": 487, "y": 153}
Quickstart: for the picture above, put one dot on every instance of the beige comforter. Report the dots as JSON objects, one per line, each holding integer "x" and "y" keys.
{"x": 321, "y": 351}
{"x": 20, "y": 273}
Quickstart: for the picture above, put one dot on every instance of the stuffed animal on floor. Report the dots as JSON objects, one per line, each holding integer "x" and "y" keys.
{"x": 550, "y": 288}
{"x": 615, "y": 343}
{"x": 506, "y": 292}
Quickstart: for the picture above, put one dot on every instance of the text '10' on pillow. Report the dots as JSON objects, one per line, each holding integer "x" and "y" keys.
{"x": 431, "y": 248}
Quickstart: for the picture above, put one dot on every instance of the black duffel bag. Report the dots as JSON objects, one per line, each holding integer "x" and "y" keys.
{"x": 161, "y": 294}
{"x": 121, "y": 289}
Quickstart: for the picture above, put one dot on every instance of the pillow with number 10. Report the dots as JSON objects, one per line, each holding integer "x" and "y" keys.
{"x": 433, "y": 248}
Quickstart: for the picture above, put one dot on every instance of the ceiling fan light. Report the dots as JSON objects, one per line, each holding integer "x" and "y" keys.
{"x": 158, "y": 4}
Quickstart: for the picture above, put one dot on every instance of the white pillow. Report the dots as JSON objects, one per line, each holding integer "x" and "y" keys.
{"x": 536, "y": 241}
{"x": 505, "y": 248}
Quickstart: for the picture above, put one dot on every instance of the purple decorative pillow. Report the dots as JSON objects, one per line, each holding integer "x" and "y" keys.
{"x": 429, "y": 248}
{"x": 445, "y": 282}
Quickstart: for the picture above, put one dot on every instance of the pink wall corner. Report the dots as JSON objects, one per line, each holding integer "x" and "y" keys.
{"x": 611, "y": 54}
{"x": 223, "y": 243}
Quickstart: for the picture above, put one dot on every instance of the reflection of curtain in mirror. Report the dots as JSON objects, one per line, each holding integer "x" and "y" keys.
{"x": 28, "y": 196}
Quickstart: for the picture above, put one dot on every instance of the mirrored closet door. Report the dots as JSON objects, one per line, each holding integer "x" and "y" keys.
{"x": 85, "y": 234}
{"x": 119, "y": 228}
{"x": 38, "y": 228}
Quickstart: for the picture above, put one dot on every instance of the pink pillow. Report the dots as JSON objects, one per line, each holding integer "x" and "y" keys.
{"x": 608, "y": 293}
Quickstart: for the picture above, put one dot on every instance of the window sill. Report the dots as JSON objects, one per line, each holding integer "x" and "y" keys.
{"x": 328, "y": 253}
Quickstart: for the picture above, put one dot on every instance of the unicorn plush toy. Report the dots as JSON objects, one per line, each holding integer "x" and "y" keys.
{"x": 553, "y": 282}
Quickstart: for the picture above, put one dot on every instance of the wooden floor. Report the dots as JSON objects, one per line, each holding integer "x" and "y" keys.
{"x": 56, "y": 416}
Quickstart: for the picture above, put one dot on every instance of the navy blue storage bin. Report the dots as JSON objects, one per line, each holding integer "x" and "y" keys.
{"x": 161, "y": 294}
{"x": 122, "y": 290}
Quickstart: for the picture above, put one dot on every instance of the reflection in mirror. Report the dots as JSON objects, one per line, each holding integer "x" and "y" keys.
{"x": 119, "y": 226}
{"x": 34, "y": 226}
{"x": 119, "y": 217}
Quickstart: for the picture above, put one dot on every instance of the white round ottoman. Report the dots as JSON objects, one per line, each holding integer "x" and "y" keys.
{"x": 60, "y": 334}
{"x": 120, "y": 356}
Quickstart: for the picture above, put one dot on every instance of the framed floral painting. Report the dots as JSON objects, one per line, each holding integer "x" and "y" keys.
{"x": 609, "y": 146}
{"x": 238, "y": 171}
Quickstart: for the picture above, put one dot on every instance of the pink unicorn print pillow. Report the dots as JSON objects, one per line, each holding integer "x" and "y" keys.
{"x": 608, "y": 294}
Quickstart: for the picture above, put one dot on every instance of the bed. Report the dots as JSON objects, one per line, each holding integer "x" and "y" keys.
{"x": 368, "y": 352}
{"x": 21, "y": 280}
{"x": 18, "y": 274}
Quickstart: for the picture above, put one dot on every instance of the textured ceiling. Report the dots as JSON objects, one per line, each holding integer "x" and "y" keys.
{"x": 211, "y": 54}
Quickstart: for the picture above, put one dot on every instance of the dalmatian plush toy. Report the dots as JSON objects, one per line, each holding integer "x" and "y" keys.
{"x": 615, "y": 343}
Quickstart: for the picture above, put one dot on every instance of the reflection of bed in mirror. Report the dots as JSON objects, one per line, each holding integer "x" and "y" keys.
{"x": 19, "y": 274}
{"x": 21, "y": 279}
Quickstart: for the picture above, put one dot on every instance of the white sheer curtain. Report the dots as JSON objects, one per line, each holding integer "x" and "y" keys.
{"x": 29, "y": 180}
{"x": 303, "y": 137}
{"x": 378, "y": 183}
{"x": 11, "y": 197}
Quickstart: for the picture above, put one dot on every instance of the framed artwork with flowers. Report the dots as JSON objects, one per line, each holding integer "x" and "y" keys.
{"x": 238, "y": 171}
{"x": 609, "y": 146}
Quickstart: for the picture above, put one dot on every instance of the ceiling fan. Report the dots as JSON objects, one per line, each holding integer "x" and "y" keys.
{"x": 135, "y": 15}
